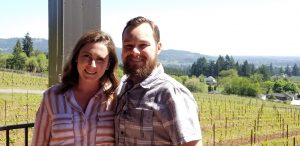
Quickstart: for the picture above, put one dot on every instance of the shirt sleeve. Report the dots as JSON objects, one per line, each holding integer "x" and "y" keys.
{"x": 181, "y": 117}
{"x": 42, "y": 125}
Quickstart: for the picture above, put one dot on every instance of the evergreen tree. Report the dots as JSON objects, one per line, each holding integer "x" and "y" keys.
{"x": 295, "y": 70}
{"x": 27, "y": 45}
{"x": 288, "y": 71}
{"x": 229, "y": 63}
{"x": 211, "y": 68}
{"x": 272, "y": 70}
{"x": 220, "y": 63}
{"x": 18, "y": 59}
{"x": 246, "y": 69}
{"x": 199, "y": 67}
{"x": 17, "y": 48}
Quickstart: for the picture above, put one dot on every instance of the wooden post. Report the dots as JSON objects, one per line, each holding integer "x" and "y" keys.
{"x": 214, "y": 135}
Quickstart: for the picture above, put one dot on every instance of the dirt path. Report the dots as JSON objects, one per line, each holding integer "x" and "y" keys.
{"x": 21, "y": 91}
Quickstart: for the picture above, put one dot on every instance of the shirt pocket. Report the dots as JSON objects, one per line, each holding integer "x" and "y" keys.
{"x": 62, "y": 131}
{"x": 139, "y": 123}
{"x": 105, "y": 128}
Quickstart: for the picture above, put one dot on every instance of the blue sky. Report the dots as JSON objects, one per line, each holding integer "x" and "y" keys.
{"x": 211, "y": 27}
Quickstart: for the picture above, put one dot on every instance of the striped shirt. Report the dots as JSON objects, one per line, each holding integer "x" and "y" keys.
{"x": 61, "y": 121}
{"x": 158, "y": 111}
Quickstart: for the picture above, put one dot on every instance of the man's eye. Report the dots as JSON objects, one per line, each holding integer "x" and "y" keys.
{"x": 143, "y": 46}
{"x": 128, "y": 46}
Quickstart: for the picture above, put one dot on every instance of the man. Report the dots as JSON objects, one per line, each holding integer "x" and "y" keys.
{"x": 152, "y": 108}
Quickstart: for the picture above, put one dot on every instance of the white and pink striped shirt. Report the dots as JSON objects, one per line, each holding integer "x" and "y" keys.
{"x": 61, "y": 121}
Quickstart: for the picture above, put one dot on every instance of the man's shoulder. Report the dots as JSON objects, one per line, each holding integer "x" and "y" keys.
{"x": 172, "y": 85}
{"x": 170, "y": 81}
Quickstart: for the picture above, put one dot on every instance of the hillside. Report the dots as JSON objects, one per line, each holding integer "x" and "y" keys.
{"x": 7, "y": 45}
{"x": 169, "y": 57}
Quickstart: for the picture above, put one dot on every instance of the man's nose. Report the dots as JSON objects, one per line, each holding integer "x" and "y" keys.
{"x": 136, "y": 50}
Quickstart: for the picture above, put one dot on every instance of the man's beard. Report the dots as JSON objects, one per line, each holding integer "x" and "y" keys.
{"x": 137, "y": 71}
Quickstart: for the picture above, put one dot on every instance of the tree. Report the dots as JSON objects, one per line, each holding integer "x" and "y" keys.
{"x": 194, "y": 85}
{"x": 228, "y": 73}
{"x": 242, "y": 86}
{"x": 290, "y": 88}
{"x": 295, "y": 70}
{"x": 265, "y": 71}
{"x": 220, "y": 63}
{"x": 17, "y": 48}
{"x": 229, "y": 63}
{"x": 211, "y": 68}
{"x": 246, "y": 69}
{"x": 27, "y": 45}
{"x": 267, "y": 86}
{"x": 42, "y": 62}
{"x": 278, "y": 86}
{"x": 288, "y": 70}
{"x": 199, "y": 67}
{"x": 18, "y": 60}
{"x": 272, "y": 69}
{"x": 3, "y": 59}
{"x": 32, "y": 64}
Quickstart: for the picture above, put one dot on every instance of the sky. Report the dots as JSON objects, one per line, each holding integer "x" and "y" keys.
{"x": 209, "y": 27}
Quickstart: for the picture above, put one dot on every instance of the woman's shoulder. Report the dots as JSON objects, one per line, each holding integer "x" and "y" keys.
{"x": 53, "y": 90}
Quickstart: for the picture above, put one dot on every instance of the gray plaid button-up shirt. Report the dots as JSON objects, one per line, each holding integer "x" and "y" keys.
{"x": 158, "y": 111}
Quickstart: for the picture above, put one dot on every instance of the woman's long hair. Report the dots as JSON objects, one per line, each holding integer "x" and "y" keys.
{"x": 109, "y": 80}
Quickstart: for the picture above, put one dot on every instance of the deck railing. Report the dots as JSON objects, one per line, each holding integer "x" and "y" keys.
{"x": 18, "y": 126}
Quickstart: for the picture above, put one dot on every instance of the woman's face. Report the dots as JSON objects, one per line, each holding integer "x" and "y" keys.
{"x": 92, "y": 62}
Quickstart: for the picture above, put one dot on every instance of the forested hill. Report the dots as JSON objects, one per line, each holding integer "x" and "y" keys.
{"x": 7, "y": 45}
{"x": 176, "y": 58}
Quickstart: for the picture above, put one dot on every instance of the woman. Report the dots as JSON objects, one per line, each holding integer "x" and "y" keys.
{"x": 79, "y": 111}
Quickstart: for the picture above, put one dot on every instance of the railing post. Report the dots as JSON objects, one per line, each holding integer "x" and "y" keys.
{"x": 26, "y": 136}
{"x": 7, "y": 137}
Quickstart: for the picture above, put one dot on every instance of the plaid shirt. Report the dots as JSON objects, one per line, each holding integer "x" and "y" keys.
{"x": 158, "y": 111}
{"x": 61, "y": 121}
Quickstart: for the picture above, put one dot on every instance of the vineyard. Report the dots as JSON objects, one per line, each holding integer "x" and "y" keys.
{"x": 22, "y": 80}
{"x": 233, "y": 120}
{"x": 225, "y": 119}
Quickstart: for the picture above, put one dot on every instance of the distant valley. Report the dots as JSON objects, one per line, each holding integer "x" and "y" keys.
{"x": 170, "y": 57}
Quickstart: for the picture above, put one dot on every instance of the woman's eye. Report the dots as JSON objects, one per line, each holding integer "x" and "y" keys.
{"x": 99, "y": 60}
{"x": 85, "y": 57}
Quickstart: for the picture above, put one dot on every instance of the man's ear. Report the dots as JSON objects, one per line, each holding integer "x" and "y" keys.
{"x": 159, "y": 46}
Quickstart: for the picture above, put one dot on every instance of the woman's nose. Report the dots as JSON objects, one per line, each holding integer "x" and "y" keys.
{"x": 93, "y": 63}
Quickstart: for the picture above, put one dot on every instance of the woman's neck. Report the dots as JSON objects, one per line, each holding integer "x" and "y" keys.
{"x": 87, "y": 86}
{"x": 84, "y": 93}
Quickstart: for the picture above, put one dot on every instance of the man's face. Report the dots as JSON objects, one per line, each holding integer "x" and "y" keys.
{"x": 139, "y": 53}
